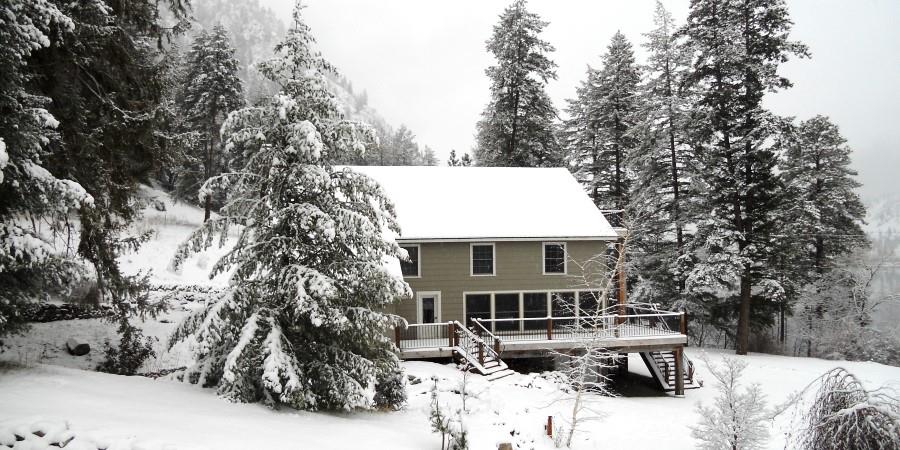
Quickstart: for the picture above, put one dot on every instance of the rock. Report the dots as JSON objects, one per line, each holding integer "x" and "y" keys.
{"x": 77, "y": 348}
{"x": 159, "y": 205}
{"x": 505, "y": 446}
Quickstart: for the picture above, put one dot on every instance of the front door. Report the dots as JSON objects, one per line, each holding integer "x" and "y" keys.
{"x": 429, "y": 307}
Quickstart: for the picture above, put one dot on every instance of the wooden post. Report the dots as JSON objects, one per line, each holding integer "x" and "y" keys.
{"x": 451, "y": 334}
{"x": 497, "y": 346}
{"x": 620, "y": 292}
{"x": 481, "y": 353}
{"x": 549, "y": 328}
{"x": 682, "y": 327}
{"x": 550, "y": 426}
{"x": 397, "y": 335}
{"x": 679, "y": 372}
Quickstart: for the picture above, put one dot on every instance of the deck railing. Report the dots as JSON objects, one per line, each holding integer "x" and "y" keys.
{"x": 470, "y": 344}
{"x": 486, "y": 336}
{"x": 639, "y": 321}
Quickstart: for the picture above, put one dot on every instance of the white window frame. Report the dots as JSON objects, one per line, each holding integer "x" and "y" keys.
{"x": 472, "y": 259}
{"x": 437, "y": 305}
{"x": 544, "y": 258}
{"x": 418, "y": 260}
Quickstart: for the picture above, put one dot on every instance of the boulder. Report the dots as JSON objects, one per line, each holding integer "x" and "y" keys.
{"x": 505, "y": 446}
{"x": 77, "y": 348}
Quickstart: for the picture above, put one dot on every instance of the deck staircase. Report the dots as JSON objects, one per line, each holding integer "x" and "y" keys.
{"x": 480, "y": 357}
{"x": 662, "y": 368}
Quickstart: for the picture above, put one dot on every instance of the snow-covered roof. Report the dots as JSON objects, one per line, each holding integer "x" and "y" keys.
{"x": 489, "y": 203}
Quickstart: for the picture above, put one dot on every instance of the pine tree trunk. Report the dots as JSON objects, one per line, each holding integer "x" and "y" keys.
{"x": 743, "y": 331}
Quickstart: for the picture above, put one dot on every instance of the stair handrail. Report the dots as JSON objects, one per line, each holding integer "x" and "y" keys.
{"x": 481, "y": 346}
{"x": 480, "y": 328}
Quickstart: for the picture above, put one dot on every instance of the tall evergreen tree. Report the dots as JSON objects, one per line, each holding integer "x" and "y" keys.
{"x": 212, "y": 89}
{"x": 822, "y": 221}
{"x": 663, "y": 165}
{"x": 738, "y": 47}
{"x": 516, "y": 128}
{"x": 824, "y": 212}
{"x": 30, "y": 262}
{"x": 599, "y": 134}
{"x": 301, "y": 322}
{"x": 92, "y": 71}
{"x": 614, "y": 109}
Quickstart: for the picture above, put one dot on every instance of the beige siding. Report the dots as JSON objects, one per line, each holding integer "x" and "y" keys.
{"x": 445, "y": 267}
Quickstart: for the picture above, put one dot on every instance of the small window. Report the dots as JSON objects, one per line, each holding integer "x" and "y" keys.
{"x": 482, "y": 259}
{"x": 410, "y": 268}
{"x": 555, "y": 258}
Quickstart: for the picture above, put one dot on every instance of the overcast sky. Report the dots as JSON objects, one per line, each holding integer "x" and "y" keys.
{"x": 422, "y": 63}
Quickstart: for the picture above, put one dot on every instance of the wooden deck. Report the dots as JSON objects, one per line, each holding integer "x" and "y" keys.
{"x": 641, "y": 331}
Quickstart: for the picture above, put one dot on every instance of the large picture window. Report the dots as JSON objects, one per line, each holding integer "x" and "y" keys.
{"x": 506, "y": 306}
{"x": 411, "y": 267}
{"x": 483, "y": 259}
{"x": 535, "y": 305}
{"x": 554, "y": 258}
{"x": 477, "y": 306}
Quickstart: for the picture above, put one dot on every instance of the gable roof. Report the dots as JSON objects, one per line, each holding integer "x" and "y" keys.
{"x": 489, "y": 203}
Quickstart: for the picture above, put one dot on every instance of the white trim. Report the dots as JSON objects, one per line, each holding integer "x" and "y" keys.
{"x": 437, "y": 305}
{"x": 418, "y": 260}
{"x": 544, "y": 258}
{"x": 424, "y": 240}
{"x": 493, "y": 259}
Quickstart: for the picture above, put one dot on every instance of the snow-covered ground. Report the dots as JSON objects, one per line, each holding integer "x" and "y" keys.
{"x": 137, "y": 412}
{"x": 43, "y": 388}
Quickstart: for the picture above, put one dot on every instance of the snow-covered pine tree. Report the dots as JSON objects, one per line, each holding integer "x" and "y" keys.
{"x": 466, "y": 160}
{"x": 516, "y": 127}
{"x": 453, "y": 161}
{"x": 301, "y": 322}
{"x": 429, "y": 158}
{"x": 738, "y": 46}
{"x": 211, "y": 90}
{"x": 822, "y": 218}
{"x": 255, "y": 29}
{"x": 599, "y": 133}
{"x": 825, "y": 214}
{"x": 662, "y": 165}
{"x": 30, "y": 261}
{"x": 579, "y": 137}
{"x": 613, "y": 111}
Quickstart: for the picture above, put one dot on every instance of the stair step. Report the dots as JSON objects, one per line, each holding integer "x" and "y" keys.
{"x": 500, "y": 374}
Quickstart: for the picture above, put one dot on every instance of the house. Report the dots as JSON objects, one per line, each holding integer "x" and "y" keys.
{"x": 512, "y": 259}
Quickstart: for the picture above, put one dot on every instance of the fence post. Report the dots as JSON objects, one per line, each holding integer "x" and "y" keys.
{"x": 549, "y": 328}
{"x": 481, "y": 352}
{"x": 451, "y": 333}
{"x": 497, "y": 346}
{"x": 397, "y": 335}
{"x": 682, "y": 327}
{"x": 550, "y": 426}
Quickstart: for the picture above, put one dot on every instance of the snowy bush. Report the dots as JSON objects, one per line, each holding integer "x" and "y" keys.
{"x": 390, "y": 389}
{"x": 844, "y": 415}
{"x": 737, "y": 418}
{"x": 130, "y": 354}
{"x": 454, "y": 435}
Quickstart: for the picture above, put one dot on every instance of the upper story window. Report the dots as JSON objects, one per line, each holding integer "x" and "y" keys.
{"x": 554, "y": 258}
{"x": 411, "y": 268}
{"x": 482, "y": 259}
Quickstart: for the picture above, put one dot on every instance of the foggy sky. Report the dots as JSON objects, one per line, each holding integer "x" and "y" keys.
{"x": 422, "y": 63}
